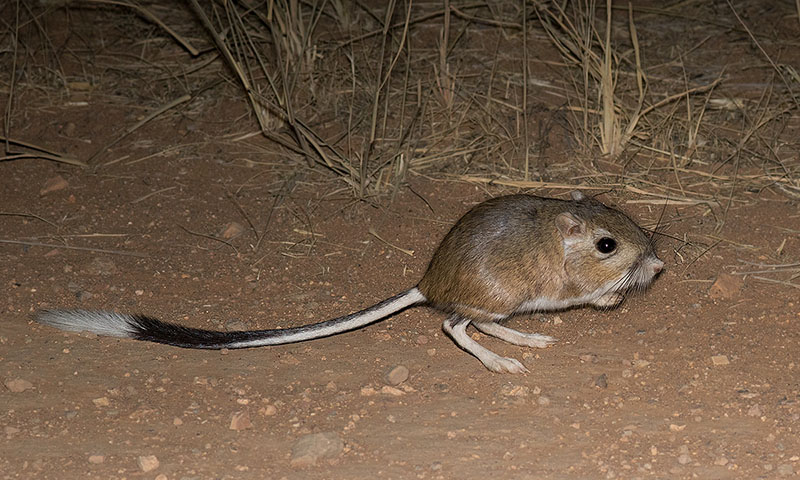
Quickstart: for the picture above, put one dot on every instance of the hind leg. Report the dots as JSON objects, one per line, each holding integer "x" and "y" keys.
{"x": 514, "y": 337}
{"x": 456, "y": 327}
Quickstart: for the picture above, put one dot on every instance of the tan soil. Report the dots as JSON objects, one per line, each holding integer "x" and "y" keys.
{"x": 683, "y": 381}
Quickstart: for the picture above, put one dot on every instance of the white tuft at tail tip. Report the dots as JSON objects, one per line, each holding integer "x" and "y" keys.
{"x": 110, "y": 324}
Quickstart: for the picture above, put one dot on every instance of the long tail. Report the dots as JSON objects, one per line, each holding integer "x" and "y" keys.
{"x": 149, "y": 329}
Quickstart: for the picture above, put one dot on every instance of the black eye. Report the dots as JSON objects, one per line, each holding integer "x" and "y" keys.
{"x": 606, "y": 245}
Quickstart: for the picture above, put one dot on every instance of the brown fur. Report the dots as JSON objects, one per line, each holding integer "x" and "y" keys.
{"x": 509, "y": 250}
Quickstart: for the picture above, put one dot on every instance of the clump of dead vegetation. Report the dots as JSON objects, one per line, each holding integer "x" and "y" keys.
{"x": 526, "y": 94}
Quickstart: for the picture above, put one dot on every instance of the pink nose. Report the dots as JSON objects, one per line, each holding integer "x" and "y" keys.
{"x": 657, "y": 266}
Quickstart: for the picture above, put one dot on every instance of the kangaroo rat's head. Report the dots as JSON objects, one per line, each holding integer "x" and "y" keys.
{"x": 605, "y": 252}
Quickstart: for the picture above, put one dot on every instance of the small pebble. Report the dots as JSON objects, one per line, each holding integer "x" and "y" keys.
{"x": 97, "y": 459}
{"x": 754, "y": 411}
{"x": 395, "y": 392}
{"x": 17, "y": 385}
{"x": 543, "y": 401}
{"x": 53, "y": 184}
{"x": 232, "y": 230}
{"x": 148, "y": 463}
{"x": 101, "y": 402}
{"x": 720, "y": 360}
{"x": 726, "y": 286}
{"x": 83, "y": 295}
{"x": 268, "y": 411}
{"x": 289, "y": 359}
{"x": 102, "y": 266}
{"x": 684, "y": 459}
{"x": 601, "y": 381}
{"x": 515, "y": 391}
{"x": 240, "y": 421}
{"x": 785, "y": 469}
{"x": 368, "y": 391}
{"x": 312, "y": 447}
{"x": 69, "y": 129}
{"x": 236, "y": 325}
{"x": 397, "y": 375}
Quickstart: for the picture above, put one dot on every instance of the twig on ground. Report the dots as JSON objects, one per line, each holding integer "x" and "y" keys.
{"x": 139, "y": 124}
{"x": 69, "y": 247}
{"x": 153, "y": 18}
{"x": 372, "y": 232}
{"x": 29, "y": 215}
{"x": 210, "y": 237}
{"x": 43, "y": 153}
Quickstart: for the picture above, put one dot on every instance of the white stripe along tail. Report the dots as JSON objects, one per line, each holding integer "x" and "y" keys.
{"x": 140, "y": 327}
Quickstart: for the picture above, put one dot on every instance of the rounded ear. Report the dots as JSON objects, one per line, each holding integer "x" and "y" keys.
{"x": 577, "y": 195}
{"x": 569, "y": 225}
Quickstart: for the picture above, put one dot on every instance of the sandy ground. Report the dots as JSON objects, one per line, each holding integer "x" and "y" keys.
{"x": 683, "y": 380}
{"x": 695, "y": 378}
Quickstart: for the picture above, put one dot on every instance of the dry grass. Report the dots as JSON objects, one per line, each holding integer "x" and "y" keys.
{"x": 610, "y": 120}
{"x": 522, "y": 94}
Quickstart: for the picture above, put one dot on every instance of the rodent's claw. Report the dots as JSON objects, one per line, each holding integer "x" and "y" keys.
{"x": 506, "y": 365}
{"x": 539, "y": 341}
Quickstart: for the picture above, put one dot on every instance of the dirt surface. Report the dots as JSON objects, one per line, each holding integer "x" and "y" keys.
{"x": 695, "y": 378}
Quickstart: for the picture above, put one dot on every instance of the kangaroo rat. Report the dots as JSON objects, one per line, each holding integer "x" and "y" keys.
{"x": 508, "y": 255}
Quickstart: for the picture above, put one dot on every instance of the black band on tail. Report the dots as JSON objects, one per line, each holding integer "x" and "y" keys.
{"x": 153, "y": 330}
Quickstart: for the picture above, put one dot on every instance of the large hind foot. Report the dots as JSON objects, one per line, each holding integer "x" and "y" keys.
{"x": 456, "y": 327}
{"x": 513, "y": 336}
